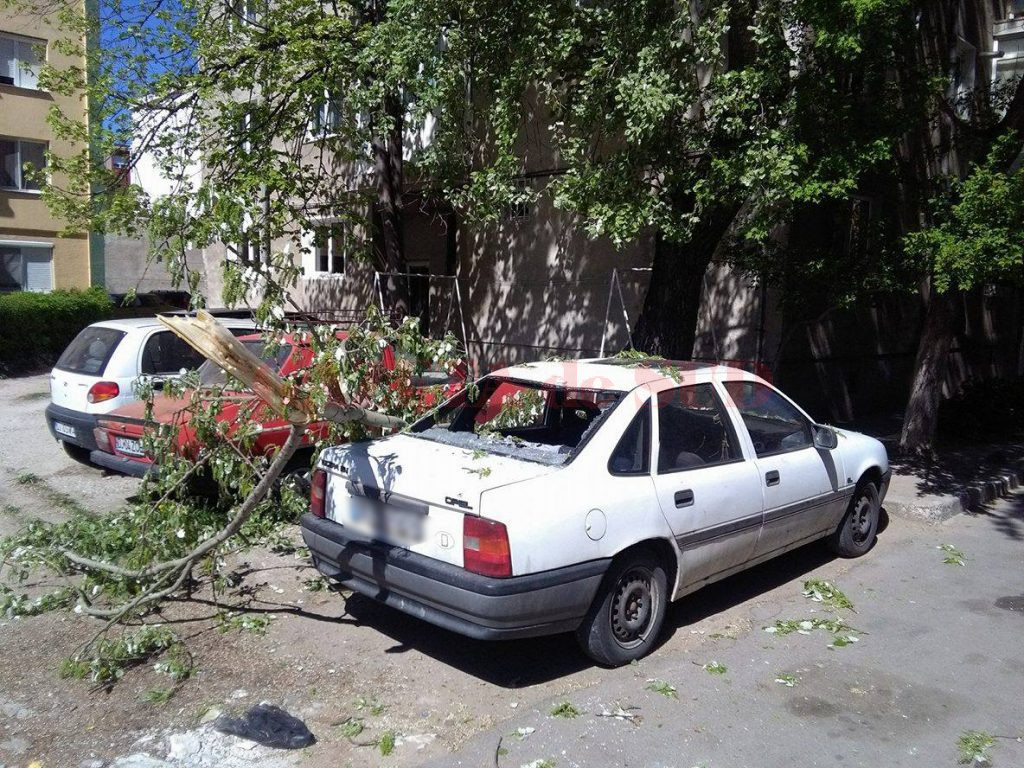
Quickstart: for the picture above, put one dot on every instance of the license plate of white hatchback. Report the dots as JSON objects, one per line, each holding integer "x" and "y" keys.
{"x": 64, "y": 429}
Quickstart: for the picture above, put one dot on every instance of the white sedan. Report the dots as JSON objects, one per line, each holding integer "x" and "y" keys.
{"x": 583, "y": 496}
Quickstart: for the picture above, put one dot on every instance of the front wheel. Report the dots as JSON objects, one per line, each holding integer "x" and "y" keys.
{"x": 624, "y": 622}
{"x": 856, "y": 531}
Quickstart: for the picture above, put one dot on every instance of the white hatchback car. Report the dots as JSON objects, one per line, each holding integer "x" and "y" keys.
{"x": 585, "y": 496}
{"x": 97, "y": 372}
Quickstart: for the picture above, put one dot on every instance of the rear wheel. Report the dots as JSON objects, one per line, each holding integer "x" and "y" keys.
{"x": 856, "y": 532}
{"x": 624, "y": 622}
{"x": 76, "y": 452}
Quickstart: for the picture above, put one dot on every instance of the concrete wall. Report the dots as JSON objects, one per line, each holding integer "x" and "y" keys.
{"x": 128, "y": 267}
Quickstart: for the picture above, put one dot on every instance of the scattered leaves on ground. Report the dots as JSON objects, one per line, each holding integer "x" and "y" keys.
{"x": 715, "y": 668}
{"x": 787, "y": 680}
{"x": 249, "y": 622}
{"x": 386, "y": 743}
{"x": 566, "y": 710}
{"x": 974, "y": 746}
{"x": 828, "y": 594}
{"x": 953, "y": 555}
{"x": 159, "y": 695}
{"x": 665, "y": 689}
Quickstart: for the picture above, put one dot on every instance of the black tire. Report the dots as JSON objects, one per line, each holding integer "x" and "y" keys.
{"x": 625, "y": 619}
{"x": 856, "y": 532}
{"x": 76, "y": 452}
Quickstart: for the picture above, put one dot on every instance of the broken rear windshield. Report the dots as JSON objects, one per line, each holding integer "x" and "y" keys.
{"x": 520, "y": 419}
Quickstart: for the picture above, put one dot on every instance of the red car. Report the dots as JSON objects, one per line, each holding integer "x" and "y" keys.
{"x": 119, "y": 433}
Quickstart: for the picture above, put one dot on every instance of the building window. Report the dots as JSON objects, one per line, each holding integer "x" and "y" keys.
{"x": 121, "y": 165}
{"x": 519, "y": 206}
{"x": 26, "y": 267}
{"x": 18, "y": 157}
{"x": 20, "y": 61}
{"x": 329, "y": 250}
{"x": 325, "y": 119}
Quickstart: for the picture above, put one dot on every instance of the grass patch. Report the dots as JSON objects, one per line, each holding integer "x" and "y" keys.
{"x": 158, "y": 695}
{"x": 11, "y": 509}
{"x": 665, "y": 689}
{"x": 973, "y": 748}
{"x": 566, "y": 710}
{"x": 28, "y": 478}
{"x": 386, "y": 743}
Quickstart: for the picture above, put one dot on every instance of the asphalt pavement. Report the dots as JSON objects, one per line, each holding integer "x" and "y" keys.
{"x": 938, "y": 652}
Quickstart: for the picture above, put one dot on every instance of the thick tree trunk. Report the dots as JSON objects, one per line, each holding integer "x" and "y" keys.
{"x": 387, "y": 155}
{"x": 667, "y": 324}
{"x": 921, "y": 417}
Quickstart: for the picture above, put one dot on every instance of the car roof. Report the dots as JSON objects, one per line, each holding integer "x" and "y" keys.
{"x": 136, "y": 323}
{"x": 623, "y": 374}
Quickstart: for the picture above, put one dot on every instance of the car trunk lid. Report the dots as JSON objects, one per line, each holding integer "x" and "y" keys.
{"x": 413, "y": 493}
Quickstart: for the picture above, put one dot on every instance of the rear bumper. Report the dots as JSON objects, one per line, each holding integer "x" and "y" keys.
{"x": 83, "y": 423}
{"x": 122, "y": 465}
{"x": 450, "y": 597}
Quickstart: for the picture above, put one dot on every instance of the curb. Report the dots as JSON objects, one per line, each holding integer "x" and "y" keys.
{"x": 937, "y": 508}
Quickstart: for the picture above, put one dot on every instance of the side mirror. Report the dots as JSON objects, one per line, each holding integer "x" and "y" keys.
{"x": 825, "y": 438}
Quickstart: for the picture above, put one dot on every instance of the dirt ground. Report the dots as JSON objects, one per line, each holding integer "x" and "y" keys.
{"x": 325, "y": 657}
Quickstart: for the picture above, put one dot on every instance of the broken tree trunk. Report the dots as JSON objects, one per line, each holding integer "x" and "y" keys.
{"x": 214, "y": 342}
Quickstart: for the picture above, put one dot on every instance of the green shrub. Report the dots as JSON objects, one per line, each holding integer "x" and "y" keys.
{"x": 36, "y": 327}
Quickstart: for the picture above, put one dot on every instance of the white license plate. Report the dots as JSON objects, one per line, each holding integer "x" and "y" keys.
{"x": 64, "y": 429}
{"x": 129, "y": 446}
{"x": 385, "y": 523}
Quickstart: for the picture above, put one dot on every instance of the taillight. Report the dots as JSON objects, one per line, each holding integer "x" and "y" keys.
{"x": 103, "y": 390}
{"x": 102, "y": 439}
{"x": 485, "y": 547}
{"x": 318, "y": 493}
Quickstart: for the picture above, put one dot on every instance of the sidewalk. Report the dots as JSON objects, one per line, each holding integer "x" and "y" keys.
{"x": 961, "y": 480}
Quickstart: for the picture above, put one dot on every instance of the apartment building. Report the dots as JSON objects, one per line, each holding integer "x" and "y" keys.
{"x": 34, "y": 256}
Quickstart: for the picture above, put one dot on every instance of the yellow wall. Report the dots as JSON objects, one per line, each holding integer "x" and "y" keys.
{"x": 23, "y": 215}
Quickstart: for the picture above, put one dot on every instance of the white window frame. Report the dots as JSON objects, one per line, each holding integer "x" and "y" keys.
{"x": 26, "y": 72}
{"x": 338, "y": 235}
{"x": 20, "y": 245}
{"x": 19, "y": 167}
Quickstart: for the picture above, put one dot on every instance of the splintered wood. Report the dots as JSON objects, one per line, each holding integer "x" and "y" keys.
{"x": 214, "y": 342}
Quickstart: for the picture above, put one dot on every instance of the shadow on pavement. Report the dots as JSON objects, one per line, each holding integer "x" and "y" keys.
{"x": 519, "y": 663}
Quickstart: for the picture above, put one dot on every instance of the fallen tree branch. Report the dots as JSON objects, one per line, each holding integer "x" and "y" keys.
{"x": 244, "y": 511}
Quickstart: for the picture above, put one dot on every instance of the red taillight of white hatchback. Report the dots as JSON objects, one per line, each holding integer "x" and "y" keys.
{"x": 318, "y": 493}
{"x": 485, "y": 547}
{"x": 103, "y": 390}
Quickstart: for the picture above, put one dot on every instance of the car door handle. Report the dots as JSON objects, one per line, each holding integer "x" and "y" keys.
{"x": 684, "y": 498}
{"x": 772, "y": 478}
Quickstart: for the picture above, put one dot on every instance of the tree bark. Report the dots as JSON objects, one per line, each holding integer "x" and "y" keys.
{"x": 667, "y": 325}
{"x": 388, "y": 162}
{"x": 921, "y": 417}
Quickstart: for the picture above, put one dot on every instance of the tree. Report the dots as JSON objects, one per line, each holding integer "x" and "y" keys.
{"x": 709, "y": 126}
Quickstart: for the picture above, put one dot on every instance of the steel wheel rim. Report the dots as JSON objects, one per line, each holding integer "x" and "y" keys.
{"x": 860, "y": 520}
{"x": 633, "y": 607}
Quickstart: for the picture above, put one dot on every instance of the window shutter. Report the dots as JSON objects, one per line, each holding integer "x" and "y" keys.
{"x": 38, "y": 269}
